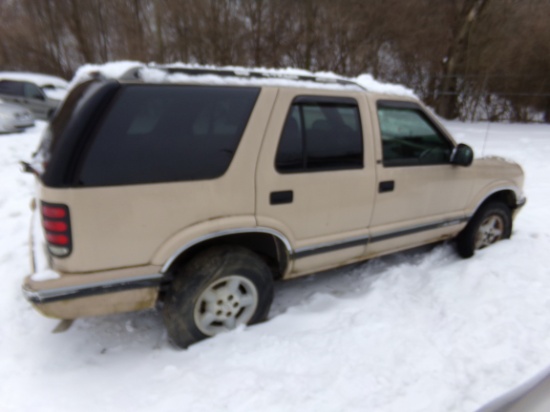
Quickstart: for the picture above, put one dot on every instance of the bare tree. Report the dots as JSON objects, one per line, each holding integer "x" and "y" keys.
{"x": 466, "y": 58}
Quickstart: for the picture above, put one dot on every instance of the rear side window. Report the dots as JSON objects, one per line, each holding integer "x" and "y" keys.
{"x": 162, "y": 133}
{"x": 321, "y": 135}
{"x": 11, "y": 88}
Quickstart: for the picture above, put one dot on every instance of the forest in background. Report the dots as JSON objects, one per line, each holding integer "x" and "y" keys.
{"x": 467, "y": 59}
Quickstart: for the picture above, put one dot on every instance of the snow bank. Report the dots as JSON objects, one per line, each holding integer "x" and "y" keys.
{"x": 422, "y": 331}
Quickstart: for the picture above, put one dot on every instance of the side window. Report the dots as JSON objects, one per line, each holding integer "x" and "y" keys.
{"x": 11, "y": 88}
{"x": 410, "y": 139}
{"x": 168, "y": 133}
{"x": 33, "y": 92}
{"x": 321, "y": 135}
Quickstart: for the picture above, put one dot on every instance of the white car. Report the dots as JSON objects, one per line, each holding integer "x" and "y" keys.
{"x": 14, "y": 118}
{"x": 40, "y": 93}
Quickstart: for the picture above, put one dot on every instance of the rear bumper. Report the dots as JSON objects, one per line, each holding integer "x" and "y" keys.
{"x": 71, "y": 296}
{"x": 87, "y": 288}
{"x": 91, "y": 299}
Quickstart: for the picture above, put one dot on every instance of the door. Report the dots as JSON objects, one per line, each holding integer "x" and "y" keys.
{"x": 421, "y": 195}
{"x": 315, "y": 179}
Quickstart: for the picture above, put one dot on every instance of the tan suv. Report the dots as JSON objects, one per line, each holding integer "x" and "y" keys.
{"x": 196, "y": 197}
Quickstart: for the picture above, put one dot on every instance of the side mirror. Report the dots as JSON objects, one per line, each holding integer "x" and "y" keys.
{"x": 463, "y": 155}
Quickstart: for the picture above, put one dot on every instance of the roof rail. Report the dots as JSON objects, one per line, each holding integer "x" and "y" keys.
{"x": 254, "y": 73}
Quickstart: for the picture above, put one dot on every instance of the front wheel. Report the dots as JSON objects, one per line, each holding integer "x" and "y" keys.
{"x": 491, "y": 223}
{"x": 216, "y": 291}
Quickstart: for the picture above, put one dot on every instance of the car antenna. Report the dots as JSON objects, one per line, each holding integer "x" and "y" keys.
{"x": 486, "y": 137}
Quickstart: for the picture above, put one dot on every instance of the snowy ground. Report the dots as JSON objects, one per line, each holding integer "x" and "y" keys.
{"x": 418, "y": 331}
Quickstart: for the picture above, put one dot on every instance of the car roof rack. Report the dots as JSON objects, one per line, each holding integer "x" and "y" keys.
{"x": 254, "y": 74}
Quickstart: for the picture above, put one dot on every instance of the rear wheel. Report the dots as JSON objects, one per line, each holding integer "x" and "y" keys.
{"x": 216, "y": 291}
{"x": 491, "y": 223}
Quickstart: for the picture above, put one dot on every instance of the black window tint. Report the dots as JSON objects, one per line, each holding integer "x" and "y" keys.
{"x": 320, "y": 136}
{"x": 168, "y": 133}
{"x": 11, "y": 88}
{"x": 290, "y": 152}
{"x": 409, "y": 138}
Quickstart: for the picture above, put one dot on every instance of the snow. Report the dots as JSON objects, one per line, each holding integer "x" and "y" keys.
{"x": 373, "y": 85}
{"x": 417, "y": 331}
{"x": 112, "y": 70}
{"x": 287, "y": 77}
{"x": 55, "y": 94}
{"x": 152, "y": 75}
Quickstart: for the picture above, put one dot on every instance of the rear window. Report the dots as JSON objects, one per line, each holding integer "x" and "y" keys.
{"x": 165, "y": 133}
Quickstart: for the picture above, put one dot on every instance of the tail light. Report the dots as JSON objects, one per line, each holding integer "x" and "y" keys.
{"x": 57, "y": 227}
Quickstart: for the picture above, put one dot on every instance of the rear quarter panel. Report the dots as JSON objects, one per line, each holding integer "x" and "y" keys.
{"x": 122, "y": 226}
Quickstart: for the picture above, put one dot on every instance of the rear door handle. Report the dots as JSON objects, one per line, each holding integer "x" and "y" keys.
{"x": 386, "y": 186}
{"x": 282, "y": 197}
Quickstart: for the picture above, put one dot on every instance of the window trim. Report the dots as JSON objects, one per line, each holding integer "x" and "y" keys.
{"x": 407, "y": 105}
{"x": 314, "y": 100}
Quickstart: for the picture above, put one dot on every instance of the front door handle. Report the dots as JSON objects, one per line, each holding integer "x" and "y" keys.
{"x": 282, "y": 197}
{"x": 386, "y": 186}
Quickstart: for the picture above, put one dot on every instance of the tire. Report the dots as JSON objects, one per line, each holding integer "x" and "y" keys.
{"x": 218, "y": 290}
{"x": 491, "y": 223}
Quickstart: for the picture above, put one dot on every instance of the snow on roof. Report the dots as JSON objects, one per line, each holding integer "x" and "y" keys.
{"x": 127, "y": 70}
{"x": 156, "y": 75}
{"x": 373, "y": 85}
{"x": 37, "y": 78}
{"x": 110, "y": 70}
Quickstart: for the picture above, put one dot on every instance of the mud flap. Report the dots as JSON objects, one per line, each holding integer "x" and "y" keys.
{"x": 63, "y": 326}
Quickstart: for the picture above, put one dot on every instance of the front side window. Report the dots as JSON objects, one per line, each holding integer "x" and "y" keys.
{"x": 409, "y": 138}
{"x": 168, "y": 133}
{"x": 321, "y": 135}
